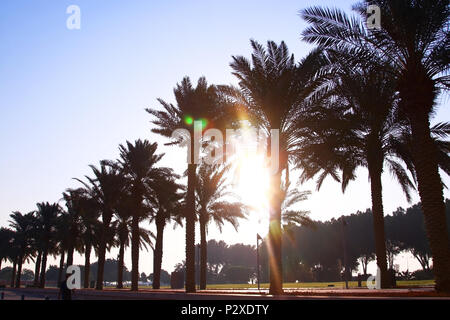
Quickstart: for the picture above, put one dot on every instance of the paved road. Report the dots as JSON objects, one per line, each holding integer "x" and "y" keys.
{"x": 336, "y": 294}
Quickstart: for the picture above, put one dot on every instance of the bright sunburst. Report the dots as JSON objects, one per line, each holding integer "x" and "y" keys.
{"x": 252, "y": 186}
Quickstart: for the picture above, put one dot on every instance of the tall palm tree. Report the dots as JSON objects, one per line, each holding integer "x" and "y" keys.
{"x": 194, "y": 105}
{"x": 12, "y": 256}
{"x": 358, "y": 123}
{"x": 211, "y": 190}
{"x": 74, "y": 200}
{"x": 48, "y": 216}
{"x": 22, "y": 225}
{"x": 272, "y": 91}
{"x": 168, "y": 206}
{"x": 37, "y": 246}
{"x": 138, "y": 164}
{"x": 90, "y": 228}
{"x": 105, "y": 189}
{"x": 123, "y": 230}
{"x": 62, "y": 239}
{"x": 414, "y": 37}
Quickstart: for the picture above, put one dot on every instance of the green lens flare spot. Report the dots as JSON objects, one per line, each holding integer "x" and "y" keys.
{"x": 189, "y": 120}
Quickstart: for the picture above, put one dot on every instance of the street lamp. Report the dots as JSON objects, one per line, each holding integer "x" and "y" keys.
{"x": 258, "y": 237}
{"x": 344, "y": 244}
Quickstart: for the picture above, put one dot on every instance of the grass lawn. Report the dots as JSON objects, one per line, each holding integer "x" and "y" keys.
{"x": 293, "y": 285}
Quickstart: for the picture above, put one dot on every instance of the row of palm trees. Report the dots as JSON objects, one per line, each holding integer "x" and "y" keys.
{"x": 108, "y": 211}
{"x": 362, "y": 98}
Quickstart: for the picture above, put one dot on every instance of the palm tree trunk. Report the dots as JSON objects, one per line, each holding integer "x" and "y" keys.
{"x": 134, "y": 253}
{"x": 157, "y": 257}
{"x": 375, "y": 169}
{"x": 43, "y": 267}
{"x": 61, "y": 267}
{"x": 364, "y": 263}
{"x": 19, "y": 271}
{"x": 87, "y": 265}
{"x": 431, "y": 195}
{"x": 13, "y": 276}
{"x": 101, "y": 261}
{"x": 203, "y": 251}
{"x": 275, "y": 259}
{"x": 190, "y": 226}
{"x": 70, "y": 256}
{"x": 120, "y": 265}
{"x": 37, "y": 268}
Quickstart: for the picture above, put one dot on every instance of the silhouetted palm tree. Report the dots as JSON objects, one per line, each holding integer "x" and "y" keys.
{"x": 22, "y": 225}
{"x": 12, "y": 256}
{"x": 166, "y": 206}
{"x": 194, "y": 105}
{"x": 90, "y": 229}
{"x": 210, "y": 191}
{"x": 47, "y": 215}
{"x": 37, "y": 246}
{"x": 355, "y": 124}
{"x": 272, "y": 90}
{"x": 291, "y": 216}
{"x": 123, "y": 229}
{"x": 74, "y": 200}
{"x": 6, "y": 238}
{"x": 138, "y": 164}
{"x": 62, "y": 239}
{"x": 414, "y": 37}
{"x": 105, "y": 189}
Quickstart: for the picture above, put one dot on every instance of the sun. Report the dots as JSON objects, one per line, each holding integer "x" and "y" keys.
{"x": 252, "y": 186}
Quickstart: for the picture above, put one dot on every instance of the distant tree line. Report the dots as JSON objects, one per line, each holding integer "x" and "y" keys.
{"x": 317, "y": 254}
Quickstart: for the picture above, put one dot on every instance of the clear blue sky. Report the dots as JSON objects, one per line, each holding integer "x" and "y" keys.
{"x": 69, "y": 97}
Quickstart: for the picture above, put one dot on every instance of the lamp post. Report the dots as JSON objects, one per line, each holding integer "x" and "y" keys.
{"x": 258, "y": 237}
{"x": 198, "y": 266}
{"x": 344, "y": 243}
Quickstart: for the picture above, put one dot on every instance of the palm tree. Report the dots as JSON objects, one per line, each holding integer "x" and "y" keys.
{"x": 138, "y": 163}
{"x": 358, "y": 126}
{"x": 74, "y": 200}
{"x": 6, "y": 238}
{"x": 194, "y": 105}
{"x": 168, "y": 206}
{"x": 210, "y": 191}
{"x": 47, "y": 215}
{"x": 414, "y": 37}
{"x": 22, "y": 225}
{"x": 62, "y": 239}
{"x": 12, "y": 256}
{"x": 37, "y": 246}
{"x": 90, "y": 228}
{"x": 122, "y": 227}
{"x": 290, "y": 216}
{"x": 272, "y": 90}
{"x": 105, "y": 189}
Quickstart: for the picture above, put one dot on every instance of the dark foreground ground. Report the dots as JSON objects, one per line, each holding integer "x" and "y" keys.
{"x": 165, "y": 294}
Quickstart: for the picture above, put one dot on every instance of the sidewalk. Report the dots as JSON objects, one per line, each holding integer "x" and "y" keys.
{"x": 250, "y": 294}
